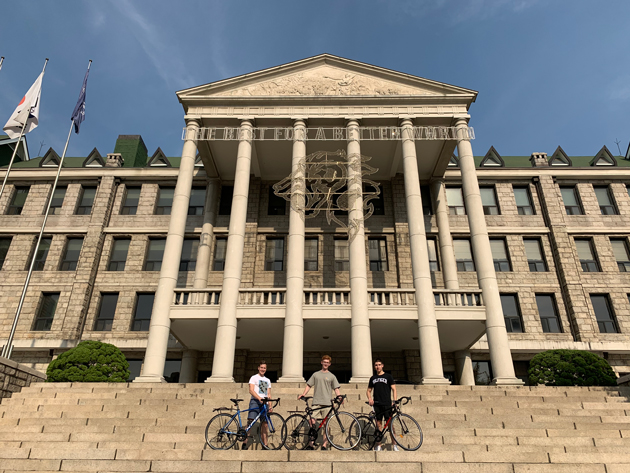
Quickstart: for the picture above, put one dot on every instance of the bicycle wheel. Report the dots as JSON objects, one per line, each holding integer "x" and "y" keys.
{"x": 297, "y": 432}
{"x": 406, "y": 432}
{"x": 276, "y": 432}
{"x": 343, "y": 431}
{"x": 367, "y": 433}
{"x": 221, "y": 432}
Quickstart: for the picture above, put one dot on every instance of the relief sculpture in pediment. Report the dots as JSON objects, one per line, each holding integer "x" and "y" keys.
{"x": 326, "y": 82}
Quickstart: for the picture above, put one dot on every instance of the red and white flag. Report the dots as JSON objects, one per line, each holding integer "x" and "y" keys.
{"x": 27, "y": 111}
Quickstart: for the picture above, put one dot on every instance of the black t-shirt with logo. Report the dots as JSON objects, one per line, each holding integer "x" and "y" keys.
{"x": 382, "y": 386}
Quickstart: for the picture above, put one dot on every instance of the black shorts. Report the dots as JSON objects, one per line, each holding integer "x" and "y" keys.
{"x": 382, "y": 411}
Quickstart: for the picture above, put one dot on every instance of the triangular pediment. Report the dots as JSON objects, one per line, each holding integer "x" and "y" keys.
{"x": 492, "y": 159}
{"x": 453, "y": 162}
{"x": 94, "y": 160}
{"x": 50, "y": 160}
{"x": 325, "y": 75}
{"x": 159, "y": 159}
{"x": 560, "y": 158}
{"x": 603, "y": 158}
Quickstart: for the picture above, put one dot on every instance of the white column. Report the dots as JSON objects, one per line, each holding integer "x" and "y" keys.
{"x": 225, "y": 342}
{"x": 360, "y": 337}
{"x": 430, "y": 354}
{"x": 207, "y": 234}
{"x": 464, "y": 368}
{"x": 293, "y": 348}
{"x": 500, "y": 354}
{"x": 159, "y": 330}
{"x": 188, "y": 370}
{"x": 449, "y": 264}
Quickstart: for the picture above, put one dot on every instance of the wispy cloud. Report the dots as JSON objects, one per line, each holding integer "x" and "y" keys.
{"x": 619, "y": 90}
{"x": 459, "y": 11}
{"x": 158, "y": 44}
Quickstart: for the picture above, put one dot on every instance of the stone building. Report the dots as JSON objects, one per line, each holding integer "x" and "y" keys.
{"x": 322, "y": 206}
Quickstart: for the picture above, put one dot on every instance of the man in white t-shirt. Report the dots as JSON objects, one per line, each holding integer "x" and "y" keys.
{"x": 259, "y": 388}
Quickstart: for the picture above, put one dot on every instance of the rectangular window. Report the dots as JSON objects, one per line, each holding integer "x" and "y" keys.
{"x": 225, "y": 203}
{"x": 142, "y": 314}
{"x": 219, "y": 254}
{"x": 155, "y": 254}
{"x": 18, "y": 201}
{"x": 132, "y": 198}
{"x": 310, "y": 254}
{"x": 523, "y": 201}
{"x": 499, "y": 255}
{"x": 274, "y": 254}
{"x": 535, "y": 260}
{"x": 605, "y": 202}
{"x": 276, "y": 205}
{"x": 570, "y": 199}
{"x": 463, "y": 255}
{"x": 548, "y": 313}
{"x": 5, "y": 243}
{"x": 86, "y": 201}
{"x": 56, "y": 202}
{"x": 197, "y": 201}
{"x": 511, "y": 313}
{"x": 489, "y": 201}
{"x": 455, "y": 200}
{"x": 46, "y": 313}
{"x": 587, "y": 256}
{"x": 342, "y": 255}
{"x": 120, "y": 248}
{"x": 620, "y": 249}
{"x": 42, "y": 253}
{"x": 165, "y": 201}
{"x": 106, "y": 311}
{"x": 427, "y": 204}
{"x": 432, "y": 250}
{"x": 378, "y": 254}
{"x": 188, "y": 261}
{"x": 603, "y": 313}
{"x": 71, "y": 256}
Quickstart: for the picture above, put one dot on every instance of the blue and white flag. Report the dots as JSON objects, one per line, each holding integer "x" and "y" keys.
{"x": 79, "y": 110}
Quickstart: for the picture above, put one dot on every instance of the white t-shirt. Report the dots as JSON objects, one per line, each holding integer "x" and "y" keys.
{"x": 261, "y": 384}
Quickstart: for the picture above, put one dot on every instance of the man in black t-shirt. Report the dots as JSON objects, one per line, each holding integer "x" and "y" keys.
{"x": 382, "y": 384}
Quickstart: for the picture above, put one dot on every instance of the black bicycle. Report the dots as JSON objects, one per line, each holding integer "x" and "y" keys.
{"x": 342, "y": 429}
{"x": 404, "y": 429}
{"x": 224, "y": 429}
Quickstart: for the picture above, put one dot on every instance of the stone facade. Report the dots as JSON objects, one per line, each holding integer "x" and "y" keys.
{"x": 15, "y": 376}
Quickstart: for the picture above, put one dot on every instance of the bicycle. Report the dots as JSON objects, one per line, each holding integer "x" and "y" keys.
{"x": 403, "y": 428}
{"x": 342, "y": 429}
{"x": 224, "y": 429}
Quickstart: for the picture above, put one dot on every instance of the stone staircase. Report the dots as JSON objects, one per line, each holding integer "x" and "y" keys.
{"x": 160, "y": 428}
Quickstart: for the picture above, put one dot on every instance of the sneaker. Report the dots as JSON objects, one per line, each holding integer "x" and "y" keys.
{"x": 395, "y": 448}
{"x": 378, "y": 448}
{"x": 244, "y": 447}
{"x": 310, "y": 447}
{"x": 324, "y": 447}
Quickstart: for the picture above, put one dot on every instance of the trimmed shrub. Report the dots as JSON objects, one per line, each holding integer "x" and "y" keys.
{"x": 90, "y": 362}
{"x": 570, "y": 368}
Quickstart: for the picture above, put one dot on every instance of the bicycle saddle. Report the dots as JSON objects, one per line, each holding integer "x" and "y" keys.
{"x": 222, "y": 409}
{"x": 306, "y": 398}
{"x": 236, "y": 401}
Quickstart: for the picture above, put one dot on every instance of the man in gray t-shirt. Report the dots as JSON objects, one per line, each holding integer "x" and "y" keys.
{"x": 324, "y": 383}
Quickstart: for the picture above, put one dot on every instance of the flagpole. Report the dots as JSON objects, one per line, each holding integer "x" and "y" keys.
{"x": 6, "y": 175}
{"x": 6, "y": 352}
{"x": 1, "y": 61}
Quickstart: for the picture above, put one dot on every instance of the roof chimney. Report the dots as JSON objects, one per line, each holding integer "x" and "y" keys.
{"x": 539, "y": 159}
{"x": 114, "y": 160}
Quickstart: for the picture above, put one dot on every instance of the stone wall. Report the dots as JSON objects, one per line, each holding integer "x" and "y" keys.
{"x": 14, "y": 377}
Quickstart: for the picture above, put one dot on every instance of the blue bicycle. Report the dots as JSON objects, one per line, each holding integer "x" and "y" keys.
{"x": 224, "y": 429}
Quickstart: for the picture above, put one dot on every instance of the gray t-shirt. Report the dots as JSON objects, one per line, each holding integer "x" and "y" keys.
{"x": 323, "y": 382}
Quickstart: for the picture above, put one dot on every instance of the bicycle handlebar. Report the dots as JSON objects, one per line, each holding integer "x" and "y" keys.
{"x": 403, "y": 400}
{"x": 275, "y": 401}
{"x": 339, "y": 399}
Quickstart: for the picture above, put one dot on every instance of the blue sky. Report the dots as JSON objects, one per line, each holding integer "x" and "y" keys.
{"x": 548, "y": 73}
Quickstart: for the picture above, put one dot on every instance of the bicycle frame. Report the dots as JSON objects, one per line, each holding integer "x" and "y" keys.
{"x": 262, "y": 411}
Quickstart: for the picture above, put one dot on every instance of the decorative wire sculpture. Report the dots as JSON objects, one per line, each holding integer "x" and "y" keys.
{"x": 330, "y": 181}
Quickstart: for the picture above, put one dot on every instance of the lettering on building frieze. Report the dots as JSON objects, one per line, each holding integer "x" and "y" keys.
{"x": 366, "y": 133}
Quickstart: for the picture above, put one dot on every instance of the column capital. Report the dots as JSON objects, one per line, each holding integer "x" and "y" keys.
{"x": 406, "y": 121}
{"x": 247, "y": 122}
{"x": 298, "y": 121}
{"x": 193, "y": 122}
{"x": 461, "y": 122}
{"x": 352, "y": 122}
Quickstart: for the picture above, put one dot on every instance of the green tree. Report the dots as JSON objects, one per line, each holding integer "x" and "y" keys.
{"x": 570, "y": 368}
{"x": 90, "y": 362}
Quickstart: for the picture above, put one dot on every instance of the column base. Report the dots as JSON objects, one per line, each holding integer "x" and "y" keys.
{"x": 435, "y": 382}
{"x": 291, "y": 379}
{"x": 149, "y": 379}
{"x": 359, "y": 379}
{"x": 217, "y": 379}
{"x": 507, "y": 382}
